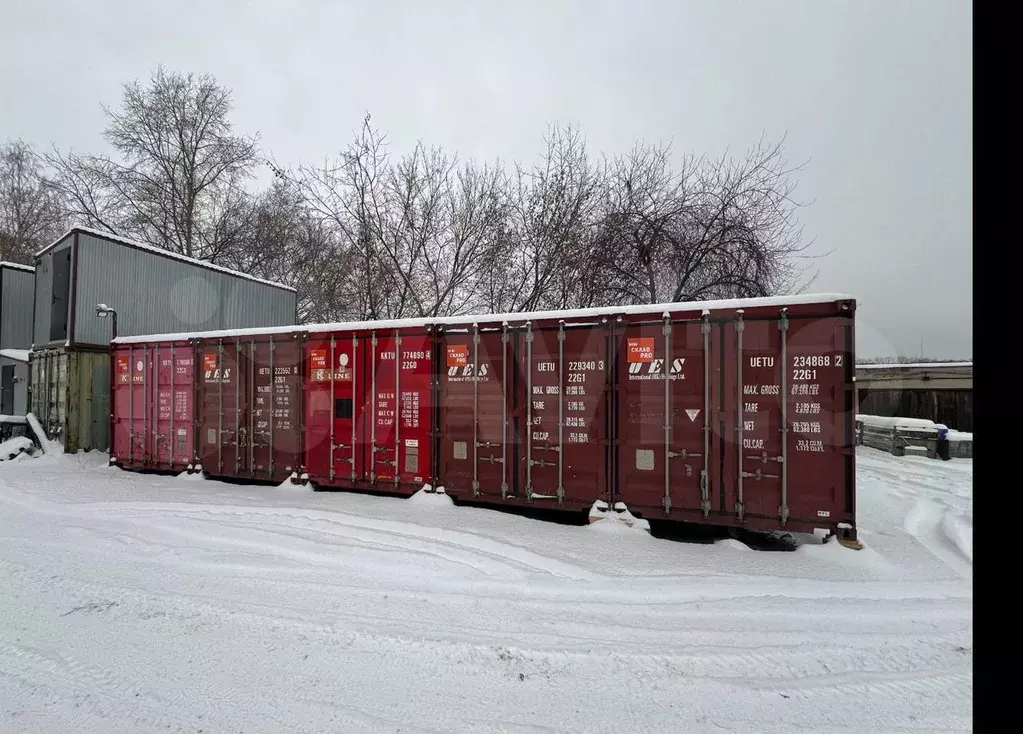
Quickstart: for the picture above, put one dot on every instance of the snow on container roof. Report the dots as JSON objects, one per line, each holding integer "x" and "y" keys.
{"x": 490, "y": 319}
{"x": 914, "y": 366}
{"x": 163, "y": 253}
{"x": 17, "y": 266}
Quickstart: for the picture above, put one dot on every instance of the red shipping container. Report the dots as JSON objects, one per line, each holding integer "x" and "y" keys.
{"x": 524, "y": 412}
{"x": 727, "y": 416}
{"x": 152, "y": 418}
{"x": 369, "y": 409}
{"x": 250, "y": 407}
{"x": 741, "y": 418}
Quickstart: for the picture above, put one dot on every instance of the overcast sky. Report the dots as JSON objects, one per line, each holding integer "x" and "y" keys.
{"x": 876, "y": 95}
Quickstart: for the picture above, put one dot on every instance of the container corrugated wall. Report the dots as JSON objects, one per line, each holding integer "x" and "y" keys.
{"x": 70, "y": 395}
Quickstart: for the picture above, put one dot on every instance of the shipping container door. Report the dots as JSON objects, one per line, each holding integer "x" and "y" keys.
{"x": 334, "y": 401}
{"x": 222, "y": 408}
{"x": 174, "y": 395}
{"x": 477, "y": 409}
{"x": 381, "y": 455}
{"x": 402, "y": 380}
{"x": 131, "y": 406}
{"x": 415, "y": 409}
{"x": 120, "y": 442}
{"x": 564, "y": 429}
{"x": 273, "y": 435}
{"x": 55, "y": 393}
{"x": 820, "y": 364}
{"x": 787, "y": 452}
{"x": 663, "y": 417}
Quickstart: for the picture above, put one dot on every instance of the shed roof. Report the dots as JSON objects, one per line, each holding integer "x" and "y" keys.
{"x": 164, "y": 253}
{"x": 17, "y": 266}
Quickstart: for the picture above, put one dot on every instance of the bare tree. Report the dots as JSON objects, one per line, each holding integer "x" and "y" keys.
{"x": 31, "y": 215}
{"x": 284, "y": 242}
{"x": 417, "y": 233}
{"x": 551, "y": 224}
{"x": 178, "y": 179}
{"x": 698, "y": 229}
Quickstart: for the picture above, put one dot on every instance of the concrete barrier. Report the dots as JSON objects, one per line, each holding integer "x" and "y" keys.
{"x": 960, "y": 445}
{"x": 895, "y": 435}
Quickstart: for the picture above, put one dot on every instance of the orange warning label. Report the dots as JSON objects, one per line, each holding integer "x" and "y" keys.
{"x": 641, "y": 350}
{"x": 209, "y": 362}
{"x": 318, "y": 358}
{"x": 458, "y": 355}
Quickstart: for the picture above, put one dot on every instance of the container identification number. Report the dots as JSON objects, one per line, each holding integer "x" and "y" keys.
{"x": 816, "y": 360}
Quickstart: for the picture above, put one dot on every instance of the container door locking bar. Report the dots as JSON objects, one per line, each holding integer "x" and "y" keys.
{"x": 475, "y": 410}
{"x": 740, "y": 506}
{"x": 783, "y": 326}
{"x": 704, "y": 476}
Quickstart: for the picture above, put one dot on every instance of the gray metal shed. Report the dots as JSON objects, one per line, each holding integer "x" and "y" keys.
{"x": 153, "y": 291}
{"x": 16, "y": 284}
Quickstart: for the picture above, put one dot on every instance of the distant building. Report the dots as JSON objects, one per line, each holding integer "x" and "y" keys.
{"x": 938, "y": 391}
{"x": 152, "y": 291}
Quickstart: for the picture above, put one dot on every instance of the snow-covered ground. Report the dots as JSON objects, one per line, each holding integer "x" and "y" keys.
{"x": 133, "y": 603}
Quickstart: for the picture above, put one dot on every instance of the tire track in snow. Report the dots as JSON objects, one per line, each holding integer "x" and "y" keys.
{"x": 773, "y": 662}
{"x": 118, "y": 698}
{"x": 924, "y": 523}
{"x": 697, "y": 587}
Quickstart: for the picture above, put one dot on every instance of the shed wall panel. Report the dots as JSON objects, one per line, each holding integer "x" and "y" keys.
{"x": 16, "y": 293}
{"x": 151, "y": 294}
{"x": 250, "y": 304}
{"x": 154, "y": 294}
{"x": 44, "y": 295}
